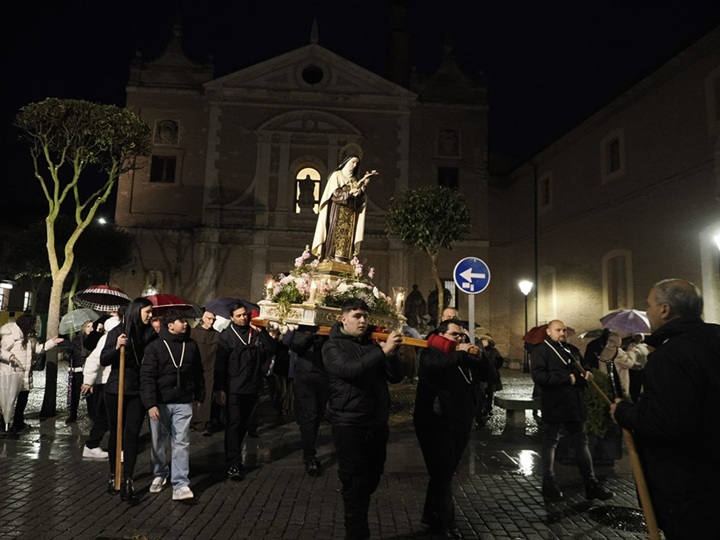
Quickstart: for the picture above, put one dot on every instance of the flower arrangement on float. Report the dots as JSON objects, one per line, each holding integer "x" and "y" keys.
{"x": 307, "y": 296}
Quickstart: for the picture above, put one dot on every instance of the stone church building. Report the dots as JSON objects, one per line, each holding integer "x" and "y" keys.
{"x": 229, "y": 195}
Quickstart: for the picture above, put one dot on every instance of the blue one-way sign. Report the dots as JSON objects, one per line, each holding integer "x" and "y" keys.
{"x": 471, "y": 275}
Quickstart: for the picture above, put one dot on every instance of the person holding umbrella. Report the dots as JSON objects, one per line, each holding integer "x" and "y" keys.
{"x": 18, "y": 345}
{"x": 79, "y": 351}
{"x": 134, "y": 333}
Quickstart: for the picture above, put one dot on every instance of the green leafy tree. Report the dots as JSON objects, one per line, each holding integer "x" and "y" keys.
{"x": 429, "y": 218}
{"x": 78, "y": 149}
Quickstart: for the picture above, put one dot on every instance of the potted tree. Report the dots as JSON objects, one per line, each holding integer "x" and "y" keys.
{"x": 604, "y": 435}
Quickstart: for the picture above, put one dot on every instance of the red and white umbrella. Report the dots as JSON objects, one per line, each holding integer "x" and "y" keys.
{"x": 164, "y": 302}
{"x": 101, "y": 298}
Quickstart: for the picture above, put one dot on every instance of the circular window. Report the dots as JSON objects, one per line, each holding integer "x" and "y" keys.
{"x": 312, "y": 75}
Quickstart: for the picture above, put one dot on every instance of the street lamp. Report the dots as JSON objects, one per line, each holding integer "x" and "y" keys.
{"x": 525, "y": 288}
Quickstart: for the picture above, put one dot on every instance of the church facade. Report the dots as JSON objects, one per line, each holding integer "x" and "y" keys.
{"x": 230, "y": 194}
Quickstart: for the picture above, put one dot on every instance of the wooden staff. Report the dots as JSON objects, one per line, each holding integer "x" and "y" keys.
{"x": 119, "y": 430}
{"x": 638, "y": 474}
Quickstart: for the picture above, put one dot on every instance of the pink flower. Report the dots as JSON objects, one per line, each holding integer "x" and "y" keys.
{"x": 371, "y": 272}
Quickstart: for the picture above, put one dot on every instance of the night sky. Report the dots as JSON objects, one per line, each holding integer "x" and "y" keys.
{"x": 548, "y": 66}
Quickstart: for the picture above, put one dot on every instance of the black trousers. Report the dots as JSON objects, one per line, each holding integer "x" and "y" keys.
{"x": 99, "y": 415}
{"x": 239, "y": 409}
{"x": 20, "y": 404}
{"x": 577, "y": 436}
{"x": 133, "y": 416}
{"x": 361, "y": 454}
{"x": 442, "y": 451}
{"x": 75, "y": 382}
{"x": 312, "y": 392}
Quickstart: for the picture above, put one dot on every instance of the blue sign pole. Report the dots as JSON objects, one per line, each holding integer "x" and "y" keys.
{"x": 471, "y": 276}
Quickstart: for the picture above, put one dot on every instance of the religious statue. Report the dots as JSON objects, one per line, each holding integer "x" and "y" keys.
{"x": 341, "y": 221}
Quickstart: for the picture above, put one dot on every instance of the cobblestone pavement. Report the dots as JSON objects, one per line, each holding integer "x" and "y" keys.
{"x": 50, "y": 492}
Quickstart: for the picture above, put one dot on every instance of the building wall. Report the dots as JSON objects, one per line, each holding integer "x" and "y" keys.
{"x": 660, "y": 209}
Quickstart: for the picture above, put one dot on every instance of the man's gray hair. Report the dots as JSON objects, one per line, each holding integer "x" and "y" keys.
{"x": 681, "y": 295}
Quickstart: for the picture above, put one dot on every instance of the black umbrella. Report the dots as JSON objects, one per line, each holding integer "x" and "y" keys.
{"x": 221, "y": 306}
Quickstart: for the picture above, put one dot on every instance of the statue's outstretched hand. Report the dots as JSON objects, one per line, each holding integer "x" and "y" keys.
{"x": 365, "y": 180}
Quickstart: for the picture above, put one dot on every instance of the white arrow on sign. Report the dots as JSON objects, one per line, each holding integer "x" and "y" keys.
{"x": 468, "y": 275}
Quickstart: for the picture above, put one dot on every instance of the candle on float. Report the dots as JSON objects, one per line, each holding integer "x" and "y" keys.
{"x": 313, "y": 292}
{"x": 269, "y": 289}
{"x": 399, "y": 302}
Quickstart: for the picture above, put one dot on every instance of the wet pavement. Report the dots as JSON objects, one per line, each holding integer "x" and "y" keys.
{"x": 50, "y": 492}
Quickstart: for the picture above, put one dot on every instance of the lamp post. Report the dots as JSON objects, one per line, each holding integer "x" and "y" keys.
{"x": 525, "y": 288}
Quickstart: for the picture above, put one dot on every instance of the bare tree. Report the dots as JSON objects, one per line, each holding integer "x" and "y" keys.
{"x": 78, "y": 149}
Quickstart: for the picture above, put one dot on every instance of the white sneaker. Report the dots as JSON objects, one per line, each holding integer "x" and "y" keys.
{"x": 182, "y": 493}
{"x": 158, "y": 483}
{"x": 94, "y": 453}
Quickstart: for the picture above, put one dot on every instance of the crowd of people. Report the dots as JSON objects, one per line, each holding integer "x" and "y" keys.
{"x": 180, "y": 379}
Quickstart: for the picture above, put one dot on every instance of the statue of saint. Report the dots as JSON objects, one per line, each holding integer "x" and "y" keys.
{"x": 341, "y": 221}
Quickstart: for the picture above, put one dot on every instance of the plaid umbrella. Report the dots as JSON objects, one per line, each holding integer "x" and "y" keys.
{"x": 101, "y": 298}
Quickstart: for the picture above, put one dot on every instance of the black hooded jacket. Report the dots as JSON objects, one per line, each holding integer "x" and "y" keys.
{"x": 172, "y": 371}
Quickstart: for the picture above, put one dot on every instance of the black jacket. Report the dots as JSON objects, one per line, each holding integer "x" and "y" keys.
{"x": 359, "y": 374}
{"x": 551, "y": 367}
{"x": 243, "y": 359}
{"x": 676, "y": 418}
{"x": 134, "y": 352}
{"x": 308, "y": 347}
{"x": 448, "y": 390}
{"x": 172, "y": 378}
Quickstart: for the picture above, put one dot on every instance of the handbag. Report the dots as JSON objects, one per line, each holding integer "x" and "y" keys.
{"x": 38, "y": 362}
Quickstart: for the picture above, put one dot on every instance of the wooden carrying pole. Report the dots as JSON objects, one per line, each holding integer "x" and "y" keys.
{"x": 377, "y": 336}
{"x": 638, "y": 474}
{"x": 119, "y": 430}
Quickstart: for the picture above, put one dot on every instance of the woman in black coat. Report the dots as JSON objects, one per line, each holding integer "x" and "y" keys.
{"x": 134, "y": 333}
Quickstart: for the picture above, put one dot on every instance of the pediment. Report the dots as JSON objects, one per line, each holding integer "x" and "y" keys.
{"x": 311, "y": 69}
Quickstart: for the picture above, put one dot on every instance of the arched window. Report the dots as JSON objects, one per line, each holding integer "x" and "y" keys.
{"x": 617, "y": 280}
{"x": 307, "y": 191}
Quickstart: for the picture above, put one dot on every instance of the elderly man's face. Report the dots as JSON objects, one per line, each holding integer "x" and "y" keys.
{"x": 208, "y": 319}
{"x": 654, "y": 310}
